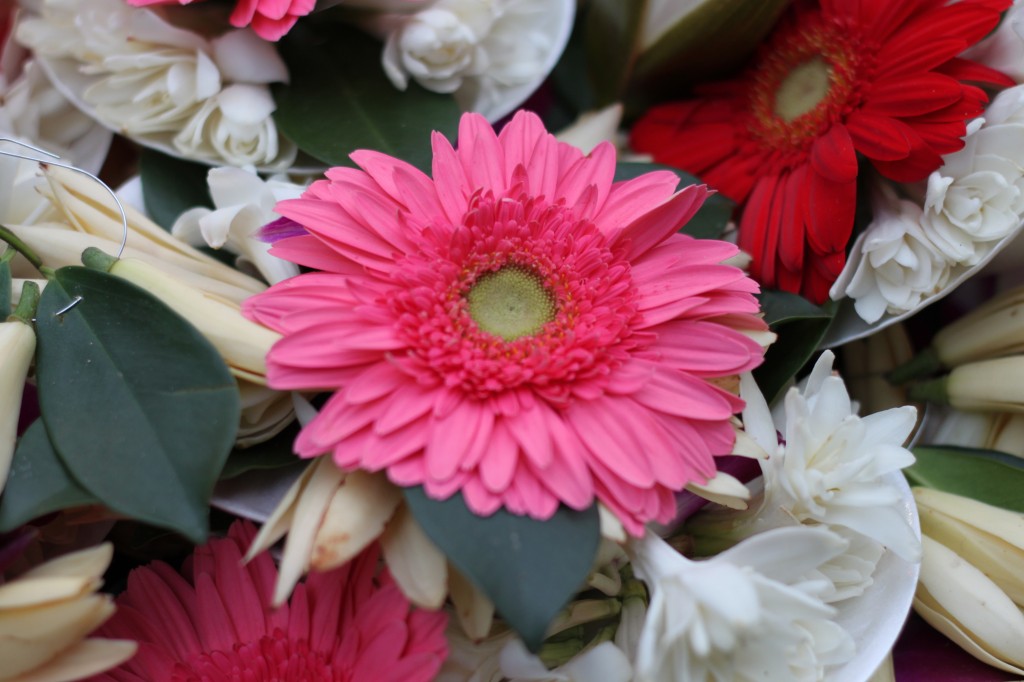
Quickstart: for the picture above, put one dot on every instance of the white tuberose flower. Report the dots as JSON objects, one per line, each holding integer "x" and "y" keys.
{"x": 243, "y": 203}
{"x": 829, "y": 468}
{"x": 746, "y": 614}
{"x": 894, "y": 264}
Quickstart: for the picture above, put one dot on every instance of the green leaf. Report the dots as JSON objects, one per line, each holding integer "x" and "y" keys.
{"x": 339, "y": 100}
{"x": 612, "y": 40}
{"x": 570, "y": 86}
{"x": 988, "y": 476}
{"x": 38, "y": 483}
{"x": 711, "y": 41}
{"x": 172, "y": 186}
{"x": 138, "y": 404}
{"x": 709, "y": 222}
{"x": 530, "y": 569}
{"x": 801, "y": 326}
{"x": 272, "y": 454}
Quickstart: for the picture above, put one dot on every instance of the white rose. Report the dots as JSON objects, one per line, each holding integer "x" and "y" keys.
{"x": 236, "y": 126}
{"x": 894, "y": 263}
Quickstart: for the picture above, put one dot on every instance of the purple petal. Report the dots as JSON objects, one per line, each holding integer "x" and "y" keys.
{"x": 13, "y": 543}
{"x": 282, "y": 228}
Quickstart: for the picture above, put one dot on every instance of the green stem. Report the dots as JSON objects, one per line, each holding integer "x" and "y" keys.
{"x": 924, "y": 363}
{"x": 95, "y": 259}
{"x": 22, "y": 248}
{"x": 935, "y": 391}
{"x": 27, "y": 304}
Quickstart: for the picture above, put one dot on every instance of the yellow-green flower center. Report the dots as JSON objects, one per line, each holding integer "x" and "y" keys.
{"x": 511, "y": 303}
{"x": 803, "y": 88}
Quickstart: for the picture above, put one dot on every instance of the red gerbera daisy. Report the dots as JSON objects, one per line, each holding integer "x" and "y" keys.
{"x": 836, "y": 77}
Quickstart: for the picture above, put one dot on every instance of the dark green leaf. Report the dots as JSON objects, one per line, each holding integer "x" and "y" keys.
{"x": 570, "y": 87}
{"x": 712, "y": 41}
{"x": 710, "y": 220}
{"x": 612, "y": 40}
{"x": 988, "y": 476}
{"x": 5, "y": 290}
{"x": 530, "y": 569}
{"x": 272, "y": 454}
{"x": 38, "y": 483}
{"x": 801, "y": 326}
{"x": 171, "y": 186}
{"x": 339, "y": 100}
{"x": 139, "y": 406}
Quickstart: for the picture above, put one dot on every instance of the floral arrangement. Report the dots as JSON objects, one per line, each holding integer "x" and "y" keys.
{"x": 508, "y": 340}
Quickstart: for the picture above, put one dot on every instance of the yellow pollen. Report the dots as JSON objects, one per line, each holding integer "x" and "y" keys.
{"x": 510, "y": 303}
{"x": 803, "y": 88}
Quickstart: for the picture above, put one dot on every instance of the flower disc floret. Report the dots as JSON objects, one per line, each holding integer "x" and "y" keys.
{"x": 518, "y": 328}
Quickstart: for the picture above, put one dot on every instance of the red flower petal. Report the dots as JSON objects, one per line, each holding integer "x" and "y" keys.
{"x": 878, "y": 137}
{"x": 912, "y": 95}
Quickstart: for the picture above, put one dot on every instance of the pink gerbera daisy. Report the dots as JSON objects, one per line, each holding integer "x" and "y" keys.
{"x": 519, "y": 328}
{"x": 215, "y": 624}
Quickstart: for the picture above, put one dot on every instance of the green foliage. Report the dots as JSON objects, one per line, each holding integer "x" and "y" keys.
{"x": 988, "y": 476}
{"x": 801, "y": 326}
{"x": 339, "y": 100}
{"x": 530, "y": 569}
{"x": 172, "y": 186}
{"x": 139, "y": 406}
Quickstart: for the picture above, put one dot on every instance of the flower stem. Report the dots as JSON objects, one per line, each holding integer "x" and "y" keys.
{"x": 21, "y": 247}
{"x": 27, "y": 304}
{"x": 924, "y": 363}
{"x": 95, "y": 259}
{"x": 934, "y": 391}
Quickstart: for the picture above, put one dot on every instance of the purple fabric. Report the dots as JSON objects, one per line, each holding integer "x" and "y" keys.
{"x": 29, "y": 408}
{"x": 923, "y": 654}
{"x": 12, "y": 544}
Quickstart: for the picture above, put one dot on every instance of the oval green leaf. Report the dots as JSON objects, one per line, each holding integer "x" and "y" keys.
{"x": 172, "y": 186}
{"x": 801, "y": 326}
{"x": 530, "y": 569}
{"x": 38, "y": 483}
{"x": 339, "y": 100}
{"x": 138, "y": 404}
{"x": 988, "y": 476}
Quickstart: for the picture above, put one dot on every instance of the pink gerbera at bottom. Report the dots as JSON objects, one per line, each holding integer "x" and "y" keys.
{"x": 519, "y": 328}
{"x": 351, "y": 624}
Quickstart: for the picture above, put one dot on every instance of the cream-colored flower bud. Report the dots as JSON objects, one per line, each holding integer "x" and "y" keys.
{"x": 961, "y": 602}
{"x": 17, "y": 346}
{"x": 46, "y": 614}
{"x": 987, "y": 386}
{"x": 330, "y": 516}
{"x": 241, "y": 342}
{"x": 265, "y": 413}
{"x": 87, "y": 207}
{"x": 992, "y": 330}
{"x": 58, "y": 246}
{"x": 592, "y": 128}
{"x": 989, "y": 537}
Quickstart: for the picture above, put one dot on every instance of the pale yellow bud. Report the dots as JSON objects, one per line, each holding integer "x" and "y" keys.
{"x": 990, "y": 538}
{"x": 265, "y": 413}
{"x": 593, "y": 128}
{"x": 961, "y": 602}
{"x": 415, "y": 562}
{"x": 47, "y": 612}
{"x": 991, "y": 330}
{"x": 984, "y": 386}
{"x": 17, "y": 346}
{"x": 242, "y": 343}
{"x": 473, "y": 610}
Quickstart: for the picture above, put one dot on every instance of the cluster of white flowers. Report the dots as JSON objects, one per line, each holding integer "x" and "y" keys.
{"x": 478, "y": 49}
{"x": 976, "y": 199}
{"x": 146, "y": 77}
{"x": 243, "y": 203}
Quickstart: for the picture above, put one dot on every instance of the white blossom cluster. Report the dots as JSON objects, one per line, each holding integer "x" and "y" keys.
{"x": 145, "y": 76}
{"x": 976, "y": 199}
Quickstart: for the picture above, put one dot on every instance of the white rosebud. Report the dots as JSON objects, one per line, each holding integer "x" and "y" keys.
{"x": 894, "y": 264}
{"x": 236, "y": 126}
{"x": 490, "y": 53}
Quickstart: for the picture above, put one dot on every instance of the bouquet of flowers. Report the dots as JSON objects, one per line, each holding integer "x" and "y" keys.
{"x": 508, "y": 340}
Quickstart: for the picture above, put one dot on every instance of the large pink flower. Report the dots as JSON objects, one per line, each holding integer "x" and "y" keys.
{"x": 351, "y": 624}
{"x": 518, "y": 328}
{"x": 270, "y": 19}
